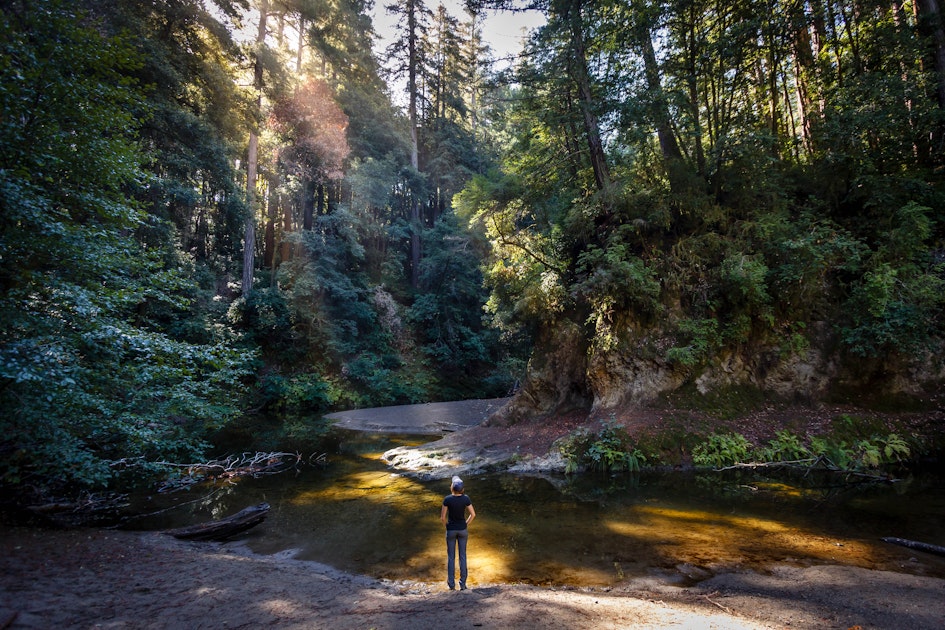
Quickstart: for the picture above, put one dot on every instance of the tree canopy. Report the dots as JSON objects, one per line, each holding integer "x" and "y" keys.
{"x": 216, "y": 222}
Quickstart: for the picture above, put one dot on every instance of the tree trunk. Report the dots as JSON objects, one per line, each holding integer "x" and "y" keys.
{"x": 930, "y": 20}
{"x": 413, "y": 64}
{"x": 803, "y": 70}
{"x": 581, "y": 77}
{"x": 298, "y": 53}
{"x": 308, "y": 204}
{"x": 249, "y": 236}
{"x": 669, "y": 146}
{"x": 269, "y": 242}
{"x": 691, "y": 58}
{"x": 249, "y": 233}
{"x": 285, "y": 249}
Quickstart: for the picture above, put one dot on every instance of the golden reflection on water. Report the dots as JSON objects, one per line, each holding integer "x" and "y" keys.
{"x": 359, "y": 516}
{"x": 387, "y": 525}
{"x": 713, "y": 539}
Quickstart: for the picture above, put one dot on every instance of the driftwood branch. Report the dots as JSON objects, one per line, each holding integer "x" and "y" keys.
{"x": 709, "y": 599}
{"x": 86, "y": 508}
{"x": 810, "y": 464}
{"x": 229, "y": 468}
{"x": 134, "y": 517}
{"x": 919, "y": 546}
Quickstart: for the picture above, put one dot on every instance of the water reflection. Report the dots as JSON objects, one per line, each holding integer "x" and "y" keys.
{"x": 359, "y": 516}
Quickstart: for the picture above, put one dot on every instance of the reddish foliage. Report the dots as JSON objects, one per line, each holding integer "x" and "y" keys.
{"x": 315, "y": 131}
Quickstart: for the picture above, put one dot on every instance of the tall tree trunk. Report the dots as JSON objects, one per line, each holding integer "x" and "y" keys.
{"x": 581, "y": 77}
{"x": 931, "y": 22}
{"x": 413, "y": 65}
{"x": 473, "y": 61}
{"x": 669, "y": 146}
{"x": 285, "y": 249}
{"x": 298, "y": 53}
{"x": 919, "y": 149}
{"x": 803, "y": 70}
{"x": 308, "y": 204}
{"x": 249, "y": 235}
{"x": 774, "y": 107}
{"x": 691, "y": 59}
{"x": 269, "y": 237}
{"x": 572, "y": 140}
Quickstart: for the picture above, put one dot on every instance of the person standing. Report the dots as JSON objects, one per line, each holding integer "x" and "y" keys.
{"x": 454, "y": 516}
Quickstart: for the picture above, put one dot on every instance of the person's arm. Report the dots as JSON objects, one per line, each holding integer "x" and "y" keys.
{"x": 472, "y": 513}
{"x": 443, "y": 513}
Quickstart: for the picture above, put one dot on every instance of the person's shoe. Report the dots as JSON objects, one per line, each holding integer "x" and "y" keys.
{"x": 462, "y": 587}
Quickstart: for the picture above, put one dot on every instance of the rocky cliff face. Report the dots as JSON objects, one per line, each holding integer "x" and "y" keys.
{"x": 556, "y": 377}
{"x": 568, "y": 371}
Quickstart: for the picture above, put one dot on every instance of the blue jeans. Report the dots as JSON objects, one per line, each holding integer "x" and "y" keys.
{"x": 454, "y": 536}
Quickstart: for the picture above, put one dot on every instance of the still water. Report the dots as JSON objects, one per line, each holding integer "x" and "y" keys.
{"x": 357, "y": 515}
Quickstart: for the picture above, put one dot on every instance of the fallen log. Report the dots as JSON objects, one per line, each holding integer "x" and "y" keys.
{"x": 223, "y": 528}
{"x": 919, "y": 546}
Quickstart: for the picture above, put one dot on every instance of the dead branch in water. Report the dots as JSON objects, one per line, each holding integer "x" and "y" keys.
{"x": 86, "y": 507}
{"x": 232, "y": 467}
{"x": 809, "y": 464}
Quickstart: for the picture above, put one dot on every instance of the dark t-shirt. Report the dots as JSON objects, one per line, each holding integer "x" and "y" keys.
{"x": 456, "y": 509}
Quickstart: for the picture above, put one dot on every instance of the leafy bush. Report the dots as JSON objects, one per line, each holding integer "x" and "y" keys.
{"x": 743, "y": 280}
{"x": 609, "y": 450}
{"x": 882, "y": 451}
{"x": 865, "y": 453}
{"x": 896, "y": 304}
{"x": 305, "y": 393}
{"x": 722, "y": 450}
{"x": 615, "y": 277}
{"x": 785, "y": 447}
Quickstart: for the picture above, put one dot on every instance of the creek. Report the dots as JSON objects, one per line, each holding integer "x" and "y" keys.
{"x": 358, "y": 515}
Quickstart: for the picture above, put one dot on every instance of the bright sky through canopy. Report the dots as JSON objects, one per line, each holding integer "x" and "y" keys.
{"x": 503, "y": 31}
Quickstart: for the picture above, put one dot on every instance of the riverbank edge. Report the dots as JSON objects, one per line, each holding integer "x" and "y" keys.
{"x": 531, "y": 446}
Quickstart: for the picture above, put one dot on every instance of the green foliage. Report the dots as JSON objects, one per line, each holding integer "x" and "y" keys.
{"x": 758, "y": 224}
{"x": 446, "y": 314}
{"x": 609, "y": 450}
{"x": 838, "y": 453}
{"x": 90, "y": 372}
{"x": 805, "y": 254}
{"x": 743, "y": 280}
{"x": 899, "y": 298}
{"x": 702, "y": 338}
{"x": 863, "y": 454}
{"x": 617, "y": 278}
{"x": 299, "y": 394}
{"x": 785, "y": 447}
{"x": 722, "y": 449}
